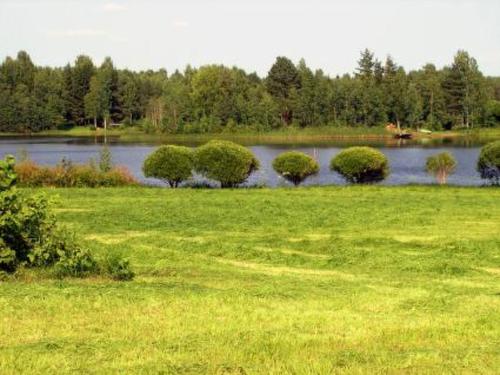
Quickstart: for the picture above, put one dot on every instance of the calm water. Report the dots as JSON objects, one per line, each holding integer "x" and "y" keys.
{"x": 407, "y": 160}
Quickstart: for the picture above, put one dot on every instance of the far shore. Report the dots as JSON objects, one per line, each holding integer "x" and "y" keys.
{"x": 290, "y": 135}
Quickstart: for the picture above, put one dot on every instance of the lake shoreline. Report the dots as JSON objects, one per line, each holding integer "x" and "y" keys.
{"x": 320, "y": 135}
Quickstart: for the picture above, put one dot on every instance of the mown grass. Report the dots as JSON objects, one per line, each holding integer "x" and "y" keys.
{"x": 259, "y": 281}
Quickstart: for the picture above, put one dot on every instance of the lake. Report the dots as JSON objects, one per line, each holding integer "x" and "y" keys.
{"x": 407, "y": 159}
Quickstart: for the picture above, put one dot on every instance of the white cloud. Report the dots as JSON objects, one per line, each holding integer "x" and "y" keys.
{"x": 114, "y": 7}
{"x": 180, "y": 24}
{"x": 77, "y": 33}
{"x": 85, "y": 33}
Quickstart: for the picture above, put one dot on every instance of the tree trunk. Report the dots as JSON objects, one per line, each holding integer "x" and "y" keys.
{"x": 95, "y": 122}
{"x": 432, "y": 108}
{"x": 175, "y": 118}
{"x": 442, "y": 177}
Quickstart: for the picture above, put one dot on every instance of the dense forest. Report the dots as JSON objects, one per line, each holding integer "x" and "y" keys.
{"x": 216, "y": 98}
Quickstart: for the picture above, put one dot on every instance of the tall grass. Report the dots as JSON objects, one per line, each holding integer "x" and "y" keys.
{"x": 66, "y": 174}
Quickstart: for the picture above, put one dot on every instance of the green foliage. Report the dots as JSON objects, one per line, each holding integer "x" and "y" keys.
{"x": 28, "y": 232}
{"x": 465, "y": 92}
{"x": 105, "y": 159}
{"x": 361, "y": 165}
{"x": 211, "y": 97}
{"x": 282, "y": 83}
{"x": 226, "y": 162}
{"x": 488, "y": 164}
{"x": 295, "y": 166}
{"x": 77, "y": 82}
{"x": 117, "y": 268}
{"x": 493, "y": 113}
{"x": 172, "y": 164}
{"x": 30, "y": 236}
{"x": 8, "y": 175}
{"x": 441, "y": 165}
{"x": 77, "y": 262}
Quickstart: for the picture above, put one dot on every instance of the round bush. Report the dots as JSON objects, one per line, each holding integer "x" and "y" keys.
{"x": 172, "y": 164}
{"x": 488, "y": 164}
{"x": 226, "y": 162}
{"x": 441, "y": 165}
{"x": 361, "y": 165}
{"x": 295, "y": 166}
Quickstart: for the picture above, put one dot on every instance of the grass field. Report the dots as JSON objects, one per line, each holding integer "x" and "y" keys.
{"x": 357, "y": 280}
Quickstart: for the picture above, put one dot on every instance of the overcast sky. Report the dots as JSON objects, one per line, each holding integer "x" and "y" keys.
{"x": 328, "y": 34}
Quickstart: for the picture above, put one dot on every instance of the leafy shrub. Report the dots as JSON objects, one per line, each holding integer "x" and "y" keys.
{"x": 361, "y": 165}
{"x": 51, "y": 247}
{"x": 8, "y": 175}
{"x": 7, "y": 258}
{"x": 226, "y": 162}
{"x": 172, "y": 164}
{"x": 117, "y": 268}
{"x": 441, "y": 165}
{"x": 295, "y": 166}
{"x": 67, "y": 174}
{"x": 76, "y": 262}
{"x": 29, "y": 234}
{"x": 488, "y": 164}
{"x": 25, "y": 223}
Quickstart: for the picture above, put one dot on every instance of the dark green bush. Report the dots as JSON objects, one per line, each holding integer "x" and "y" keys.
{"x": 361, "y": 165}
{"x": 226, "y": 162}
{"x": 488, "y": 164}
{"x": 441, "y": 165}
{"x": 25, "y": 224}
{"x": 295, "y": 166}
{"x": 172, "y": 164}
{"x": 117, "y": 268}
{"x": 76, "y": 262}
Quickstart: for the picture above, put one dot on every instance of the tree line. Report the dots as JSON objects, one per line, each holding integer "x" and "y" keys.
{"x": 216, "y": 98}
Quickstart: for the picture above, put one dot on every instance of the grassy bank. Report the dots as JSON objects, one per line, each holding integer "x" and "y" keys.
{"x": 303, "y": 281}
{"x": 291, "y": 135}
{"x": 314, "y": 135}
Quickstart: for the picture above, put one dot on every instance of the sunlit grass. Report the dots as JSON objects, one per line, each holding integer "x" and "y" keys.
{"x": 302, "y": 281}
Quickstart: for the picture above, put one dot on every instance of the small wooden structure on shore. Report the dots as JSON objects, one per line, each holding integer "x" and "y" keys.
{"x": 398, "y": 133}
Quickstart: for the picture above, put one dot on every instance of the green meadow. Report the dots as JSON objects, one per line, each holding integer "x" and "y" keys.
{"x": 321, "y": 280}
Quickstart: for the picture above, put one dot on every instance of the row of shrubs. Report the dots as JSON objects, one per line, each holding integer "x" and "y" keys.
{"x": 30, "y": 236}
{"x": 222, "y": 161}
{"x": 67, "y": 174}
{"x": 231, "y": 164}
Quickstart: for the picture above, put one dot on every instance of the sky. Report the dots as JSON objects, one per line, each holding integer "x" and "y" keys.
{"x": 328, "y": 34}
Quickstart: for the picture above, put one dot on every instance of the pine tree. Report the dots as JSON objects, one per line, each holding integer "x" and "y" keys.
{"x": 79, "y": 86}
{"x": 282, "y": 83}
{"x": 464, "y": 88}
